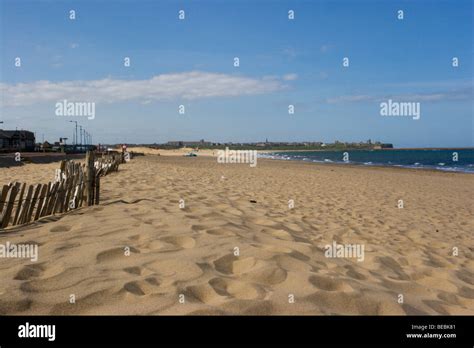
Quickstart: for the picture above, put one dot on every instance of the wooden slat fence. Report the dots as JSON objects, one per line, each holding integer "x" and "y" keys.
{"x": 75, "y": 185}
{"x": 107, "y": 163}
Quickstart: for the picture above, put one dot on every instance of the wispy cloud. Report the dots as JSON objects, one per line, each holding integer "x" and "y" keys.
{"x": 290, "y": 52}
{"x": 350, "y": 99}
{"x": 185, "y": 85}
{"x": 290, "y": 77}
{"x": 325, "y": 48}
{"x": 449, "y": 95}
{"x": 436, "y": 84}
{"x": 57, "y": 61}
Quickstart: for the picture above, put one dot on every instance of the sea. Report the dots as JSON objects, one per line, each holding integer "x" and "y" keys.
{"x": 452, "y": 160}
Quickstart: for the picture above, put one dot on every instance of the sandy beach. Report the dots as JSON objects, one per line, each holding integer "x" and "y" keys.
{"x": 183, "y": 259}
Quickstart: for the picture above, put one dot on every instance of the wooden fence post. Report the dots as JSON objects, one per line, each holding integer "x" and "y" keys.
{"x": 9, "y": 207}
{"x": 90, "y": 175}
{"x": 62, "y": 169}
{"x": 97, "y": 187}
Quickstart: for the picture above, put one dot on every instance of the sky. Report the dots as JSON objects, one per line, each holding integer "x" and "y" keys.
{"x": 282, "y": 62}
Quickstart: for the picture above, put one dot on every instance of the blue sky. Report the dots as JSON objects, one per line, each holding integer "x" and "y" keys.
{"x": 282, "y": 62}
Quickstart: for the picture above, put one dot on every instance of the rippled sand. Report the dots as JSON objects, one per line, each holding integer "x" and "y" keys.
{"x": 182, "y": 260}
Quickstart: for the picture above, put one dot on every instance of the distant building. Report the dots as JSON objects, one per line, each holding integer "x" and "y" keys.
{"x": 17, "y": 140}
{"x": 183, "y": 143}
{"x": 46, "y": 146}
{"x": 383, "y": 146}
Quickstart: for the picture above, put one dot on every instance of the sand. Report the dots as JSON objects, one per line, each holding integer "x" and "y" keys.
{"x": 183, "y": 260}
{"x": 174, "y": 152}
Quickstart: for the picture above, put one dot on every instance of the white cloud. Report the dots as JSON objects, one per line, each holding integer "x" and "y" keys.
{"x": 185, "y": 85}
{"x": 350, "y": 99}
{"x": 290, "y": 77}
{"x": 448, "y": 95}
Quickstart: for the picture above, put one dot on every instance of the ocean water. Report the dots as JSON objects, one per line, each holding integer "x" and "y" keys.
{"x": 419, "y": 159}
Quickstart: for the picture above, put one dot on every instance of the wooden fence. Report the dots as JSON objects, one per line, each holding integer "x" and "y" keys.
{"x": 75, "y": 185}
{"x": 107, "y": 163}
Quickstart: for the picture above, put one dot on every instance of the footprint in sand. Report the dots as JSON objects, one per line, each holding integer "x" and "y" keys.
{"x": 38, "y": 270}
{"x": 267, "y": 275}
{"x": 466, "y": 292}
{"x": 299, "y": 256}
{"x": 291, "y": 264}
{"x": 338, "y": 302}
{"x": 133, "y": 270}
{"x": 329, "y": 284}
{"x": 88, "y": 304}
{"x": 176, "y": 269}
{"x": 139, "y": 288}
{"x": 282, "y": 234}
{"x": 30, "y": 271}
{"x": 466, "y": 276}
{"x": 159, "y": 246}
{"x": 277, "y": 249}
{"x": 60, "y": 228}
{"x": 67, "y": 246}
{"x": 263, "y": 222}
{"x": 351, "y": 272}
{"x": 69, "y": 277}
{"x": 437, "y": 306}
{"x": 231, "y": 264}
{"x": 153, "y": 281}
{"x": 450, "y": 298}
{"x": 114, "y": 254}
{"x": 192, "y": 217}
{"x": 390, "y": 265}
{"x": 237, "y": 289}
{"x": 198, "y": 228}
{"x": 262, "y": 307}
{"x": 8, "y": 307}
{"x": 294, "y": 227}
{"x": 437, "y": 262}
{"x": 181, "y": 241}
{"x": 220, "y": 231}
{"x": 204, "y": 293}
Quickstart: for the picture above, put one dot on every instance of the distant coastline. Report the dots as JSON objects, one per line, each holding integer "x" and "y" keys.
{"x": 357, "y": 149}
{"x": 278, "y": 146}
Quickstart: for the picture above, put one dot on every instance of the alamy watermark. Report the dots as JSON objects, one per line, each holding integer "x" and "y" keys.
{"x": 67, "y": 108}
{"x": 393, "y": 108}
{"x": 237, "y": 156}
{"x": 335, "y": 250}
{"x": 37, "y": 331}
{"x": 20, "y": 251}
